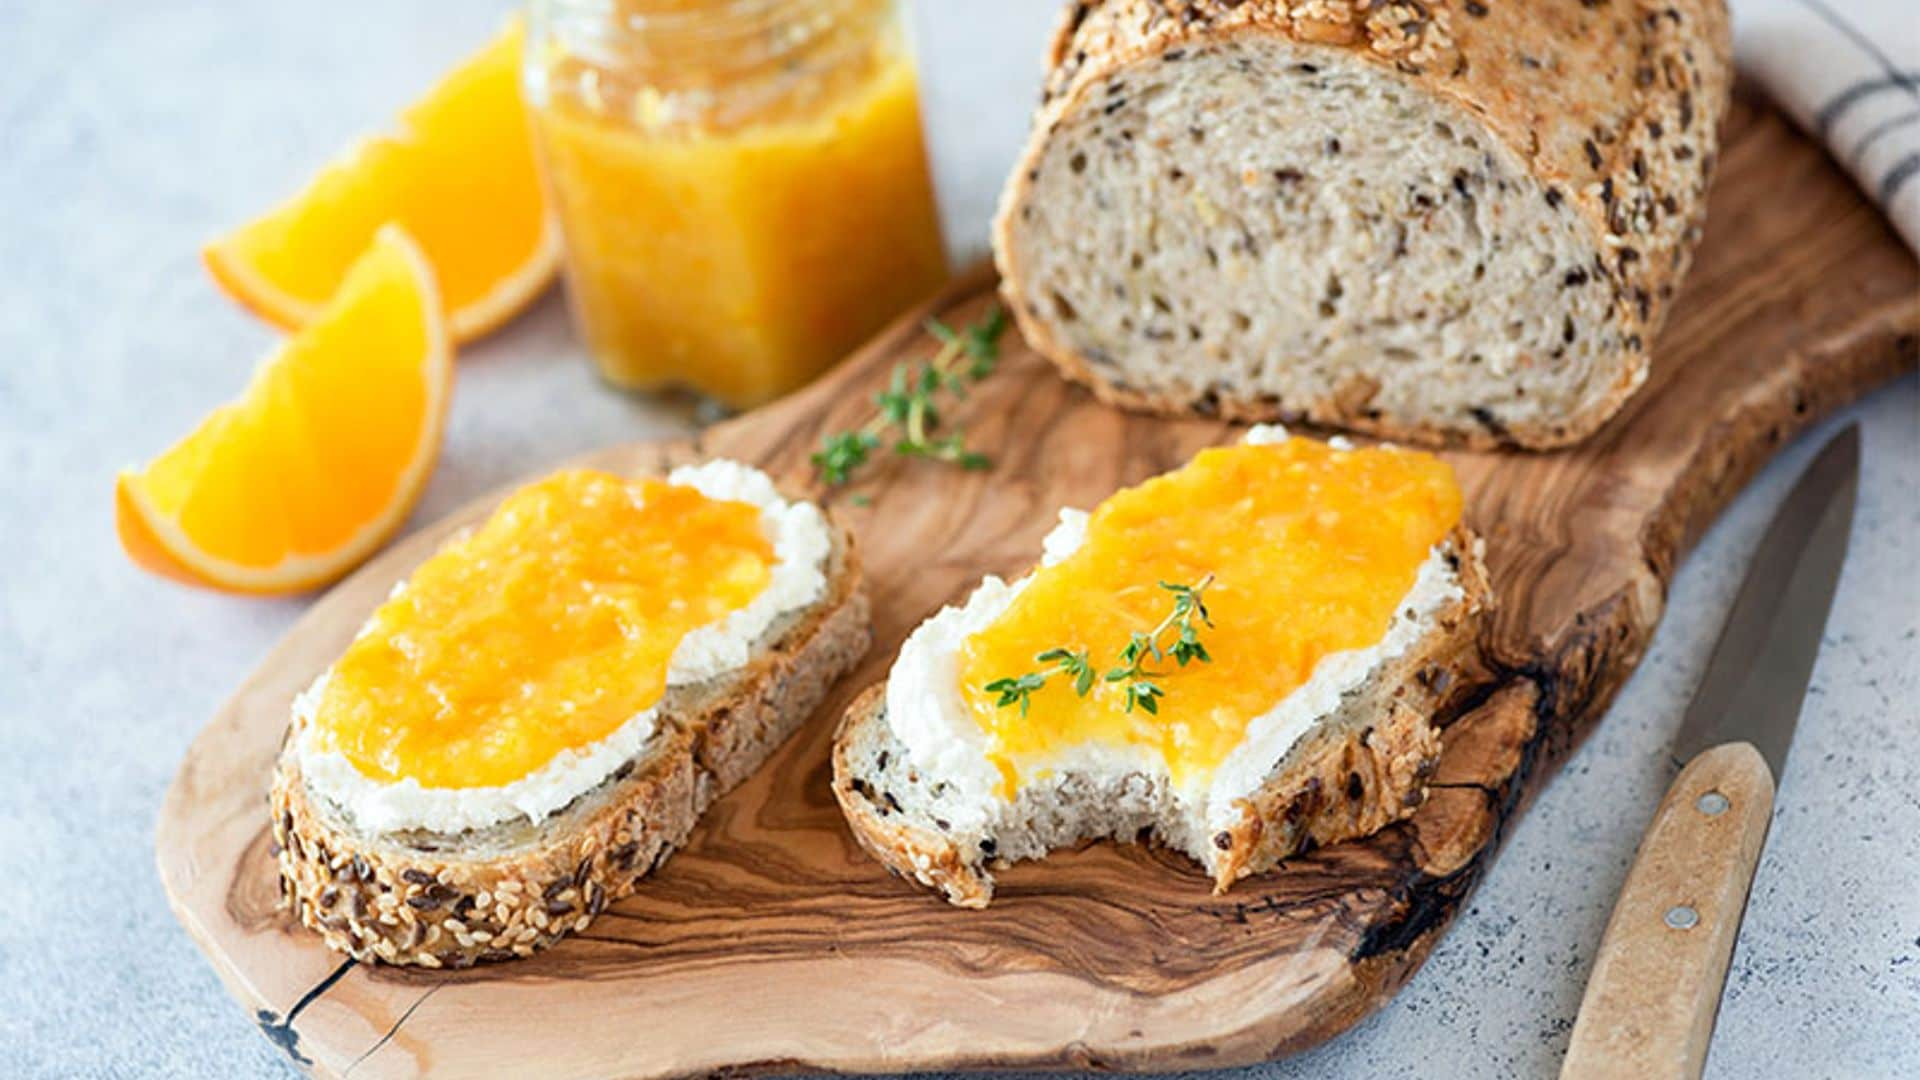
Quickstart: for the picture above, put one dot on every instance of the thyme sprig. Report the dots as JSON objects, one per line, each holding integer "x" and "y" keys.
{"x": 1142, "y": 648}
{"x": 1019, "y": 689}
{"x": 909, "y": 410}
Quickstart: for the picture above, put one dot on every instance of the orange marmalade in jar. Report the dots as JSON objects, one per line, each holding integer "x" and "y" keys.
{"x": 742, "y": 184}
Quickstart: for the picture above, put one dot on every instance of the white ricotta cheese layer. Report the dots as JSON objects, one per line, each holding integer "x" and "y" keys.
{"x": 801, "y": 544}
{"x": 928, "y": 714}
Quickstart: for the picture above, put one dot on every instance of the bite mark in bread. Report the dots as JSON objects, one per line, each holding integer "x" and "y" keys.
{"x": 1358, "y": 771}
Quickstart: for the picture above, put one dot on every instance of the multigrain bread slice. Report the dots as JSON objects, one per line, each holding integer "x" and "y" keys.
{"x": 451, "y": 900}
{"x": 1362, "y": 767}
{"x": 1436, "y": 221}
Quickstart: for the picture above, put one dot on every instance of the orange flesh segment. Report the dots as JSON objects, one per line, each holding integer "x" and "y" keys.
{"x": 543, "y": 631}
{"x": 458, "y": 175}
{"x": 1311, "y": 550}
{"x": 302, "y": 476}
{"x": 329, "y": 379}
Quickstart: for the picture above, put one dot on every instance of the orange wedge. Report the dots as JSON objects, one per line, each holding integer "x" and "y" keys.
{"x": 320, "y": 460}
{"x": 459, "y": 176}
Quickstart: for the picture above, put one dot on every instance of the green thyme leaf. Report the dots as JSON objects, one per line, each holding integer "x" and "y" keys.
{"x": 908, "y": 410}
{"x": 1140, "y": 691}
{"x": 842, "y": 453}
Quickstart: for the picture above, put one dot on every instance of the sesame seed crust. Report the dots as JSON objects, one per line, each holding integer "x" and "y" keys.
{"x": 438, "y": 900}
{"x": 1613, "y": 106}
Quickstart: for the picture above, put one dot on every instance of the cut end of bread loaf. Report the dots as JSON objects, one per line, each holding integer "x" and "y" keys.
{"x": 451, "y": 900}
{"x": 1335, "y": 245}
{"x": 1362, "y": 767}
{"x": 1235, "y": 219}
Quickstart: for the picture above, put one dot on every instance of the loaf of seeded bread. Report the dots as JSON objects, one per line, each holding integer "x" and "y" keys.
{"x": 450, "y": 900}
{"x": 1442, "y": 221}
{"x": 1361, "y": 767}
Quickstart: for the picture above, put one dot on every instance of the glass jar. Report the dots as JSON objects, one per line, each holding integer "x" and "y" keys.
{"x": 742, "y": 185}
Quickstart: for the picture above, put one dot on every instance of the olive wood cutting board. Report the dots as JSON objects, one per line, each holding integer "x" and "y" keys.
{"x": 771, "y": 943}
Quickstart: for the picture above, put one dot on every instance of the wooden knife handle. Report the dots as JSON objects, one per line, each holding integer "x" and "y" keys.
{"x": 1656, "y": 982}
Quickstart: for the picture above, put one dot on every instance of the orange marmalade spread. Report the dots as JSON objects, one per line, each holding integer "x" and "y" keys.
{"x": 1310, "y": 548}
{"x": 743, "y": 188}
{"x": 544, "y": 631}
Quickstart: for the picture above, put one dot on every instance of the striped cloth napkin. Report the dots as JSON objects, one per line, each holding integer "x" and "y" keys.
{"x": 1848, "y": 71}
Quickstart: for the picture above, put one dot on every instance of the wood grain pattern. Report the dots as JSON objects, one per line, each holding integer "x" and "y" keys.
{"x": 1655, "y": 988}
{"x": 771, "y": 943}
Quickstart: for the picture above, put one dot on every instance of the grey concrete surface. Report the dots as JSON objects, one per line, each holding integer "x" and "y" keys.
{"x": 132, "y": 132}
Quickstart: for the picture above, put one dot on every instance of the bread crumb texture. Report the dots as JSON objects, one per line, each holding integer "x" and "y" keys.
{"x": 1447, "y": 222}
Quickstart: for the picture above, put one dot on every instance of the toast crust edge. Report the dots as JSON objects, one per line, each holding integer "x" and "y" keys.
{"x": 376, "y": 898}
{"x": 1303, "y": 805}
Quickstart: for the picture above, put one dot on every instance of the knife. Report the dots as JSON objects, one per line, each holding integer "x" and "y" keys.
{"x": 1656, "y": 982}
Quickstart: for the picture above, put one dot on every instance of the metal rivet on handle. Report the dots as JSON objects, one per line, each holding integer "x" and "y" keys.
{"x": 1682, "y": 917}
{"x": 1712, "y": 804}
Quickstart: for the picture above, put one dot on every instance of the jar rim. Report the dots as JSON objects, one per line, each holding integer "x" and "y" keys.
{"x": 676, "y": 22}
{"x": 702, "y": 63}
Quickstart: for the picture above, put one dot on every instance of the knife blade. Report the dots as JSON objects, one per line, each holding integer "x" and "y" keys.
{"x": 1757, "y": 677}
{"x": 1655, "y": 989}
